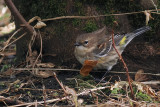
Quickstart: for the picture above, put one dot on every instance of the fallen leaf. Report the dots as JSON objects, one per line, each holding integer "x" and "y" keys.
{"x": 34, "y": 18}
{"x": 139, "y": 77}
{"x": 74, "y": 95}
{"x": 145, "y": 88}
{"x": 39, "y": 25}
{"x": 42, "y": 74}
{"x": 87, "y": 67}
{"x": 46, "y": 65}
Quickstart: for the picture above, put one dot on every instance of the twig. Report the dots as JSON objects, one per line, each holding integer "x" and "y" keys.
{"x": 60, "y": 99}
{"x": 125, "y": 66}
{"x": 76, "y": 70}
{"x": 154, "y": 5}
{"x": 134, "y": 73}
{"x": 151, "y": 82}
{"x": 7, "y": 42}
{"x": 50, "y": 69}
{"x": 32, "y": 89}
{"x": 155, "y": 13}
{"x": 40, "y": 53}
{"x": 13, "y": 41}
{"x": 44, "y": 95}
{"x": 61, "y": 85}
{"x": 29, "y": 53}
{"x": 88, "y": 17}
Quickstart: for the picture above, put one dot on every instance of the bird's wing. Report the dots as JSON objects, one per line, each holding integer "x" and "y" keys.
{"x": 103, "y": 47}
{"x": 119, "y": 39}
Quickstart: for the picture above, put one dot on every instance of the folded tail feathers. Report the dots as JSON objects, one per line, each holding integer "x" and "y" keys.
{"x": 141, "y": 30}
{"x": 135, "y": 33}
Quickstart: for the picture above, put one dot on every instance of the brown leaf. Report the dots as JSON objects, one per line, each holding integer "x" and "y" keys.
{"x": 87, "y": 67}
{"x": 145, "y": 88}
{"x": 139, "y": 77}
{"x": 74, "y": 95}
{"x": 43, "y": 74}
{"x": 46, "y": 65}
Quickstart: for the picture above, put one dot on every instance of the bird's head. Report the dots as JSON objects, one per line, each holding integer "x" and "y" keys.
{"x": 88, "y": 42}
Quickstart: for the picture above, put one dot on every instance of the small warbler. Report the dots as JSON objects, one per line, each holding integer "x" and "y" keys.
{"x": 98, "y": 46}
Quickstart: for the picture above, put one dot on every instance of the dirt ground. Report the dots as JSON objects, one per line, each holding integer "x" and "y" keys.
{"x": 26, "y": 87}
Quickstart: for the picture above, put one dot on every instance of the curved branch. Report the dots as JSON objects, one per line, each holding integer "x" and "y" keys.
{"x": 17, "y": 15}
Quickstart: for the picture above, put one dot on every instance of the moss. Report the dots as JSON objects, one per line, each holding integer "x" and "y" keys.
{"x": 79, "y": 7}
{"x": 82, "y": 82}
{"x": 56, "y": 8}
{"x": 76, "y": 22}
{"x": 118, "y": 91}
{"x": 90, "y": 26}
{"x": 109, "y": 21}
{"x": 5, "y": 67}
{"x": 143, "y": 97}
{"x": 44, "y": 9}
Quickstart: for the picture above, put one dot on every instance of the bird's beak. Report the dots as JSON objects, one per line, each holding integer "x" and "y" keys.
{"x": 76, "y": 44}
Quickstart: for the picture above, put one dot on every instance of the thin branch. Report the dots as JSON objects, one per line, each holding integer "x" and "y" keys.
{"x": 76, "y": 70}
{"x": 18, "y": 16}
{"x": 154, "y": 5}
{"x": 61, "y": 85}
{"x": 125, "y": 66}
{"x": 60, "y": 99}
{"x": 50, "y": 69}
{"x": 88, "y": 17}
{"x": 7, "y": 42}
{"x": 13, "y": 41}
{"x": 40, "y": 53}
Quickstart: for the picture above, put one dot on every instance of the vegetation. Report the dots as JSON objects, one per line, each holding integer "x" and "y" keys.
{"x": 34, "y": 80}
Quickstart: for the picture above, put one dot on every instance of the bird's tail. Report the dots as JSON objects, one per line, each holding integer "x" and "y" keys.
{"x": 135, "y": 33}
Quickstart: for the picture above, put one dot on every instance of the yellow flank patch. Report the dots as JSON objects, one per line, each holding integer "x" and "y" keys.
{"x": 122, "y": 42}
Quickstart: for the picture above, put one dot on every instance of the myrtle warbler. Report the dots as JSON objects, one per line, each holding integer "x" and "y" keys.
{"x": 98, "y": 46}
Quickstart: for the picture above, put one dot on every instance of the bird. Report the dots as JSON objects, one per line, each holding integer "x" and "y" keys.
{"x": 97, "y": 46}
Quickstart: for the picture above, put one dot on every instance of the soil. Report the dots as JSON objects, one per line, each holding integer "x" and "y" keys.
{"x": 137, "y": 55}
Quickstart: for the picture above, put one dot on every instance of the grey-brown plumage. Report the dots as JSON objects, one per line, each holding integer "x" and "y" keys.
{"x": 98, "y": 46}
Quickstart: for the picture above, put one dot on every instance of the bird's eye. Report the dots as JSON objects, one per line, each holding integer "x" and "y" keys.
{"x": 86, "y": 42}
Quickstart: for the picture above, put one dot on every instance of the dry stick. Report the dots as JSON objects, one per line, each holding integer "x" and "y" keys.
{"x": 87, "y": 17}
{"x": 17, "y": 15}
{"x": 154, "y": 5}
{"x": 44, "y": 94}
{"x": 6, "y": 45}
{"x": 125, "y": 66}
{"x": 60, "y": 99}
{"x": 15, "y": 40}
{"x": 29, "y": 53}
{"x": 155, "y": 13}
{"x": 40, "y": 53}
{"x": 54, "y": 74}
{"x": 76, "y": 70}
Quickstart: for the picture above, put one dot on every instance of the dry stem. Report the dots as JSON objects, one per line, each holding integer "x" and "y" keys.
{"x": 125, "y": 66}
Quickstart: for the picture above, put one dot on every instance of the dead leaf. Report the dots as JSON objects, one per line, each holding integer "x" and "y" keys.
{"x": 87, "y": 67}
{"x": 148, "y": 16}
{"x": 139, "y": 77}
{"x": 46, "y": 65}
{"x": 9, "y": 72}
{"x": 34, "y": 18}
{"x": 1, "y": 59}
{"x": 73, "y": 93}
{"x": 43, "y": 74}
{"x": 145, "y": 88}
{"x": 39, "y": 25}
